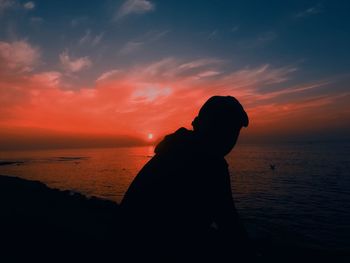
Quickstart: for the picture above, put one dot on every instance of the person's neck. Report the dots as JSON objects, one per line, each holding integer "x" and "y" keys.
{"x": 202, "y": 145}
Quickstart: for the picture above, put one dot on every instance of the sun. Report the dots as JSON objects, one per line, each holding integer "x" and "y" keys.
{"x": 150, "y": 136}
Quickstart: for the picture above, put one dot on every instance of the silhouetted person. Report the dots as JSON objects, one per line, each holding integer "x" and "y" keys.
{"x": 179, "y": 207}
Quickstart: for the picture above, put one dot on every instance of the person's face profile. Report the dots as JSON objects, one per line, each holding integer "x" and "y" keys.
{"x": 227, "y": 141}
{"x": 221, "y": 138}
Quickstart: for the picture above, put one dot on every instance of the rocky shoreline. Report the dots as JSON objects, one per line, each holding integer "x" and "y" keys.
{"x": 38, "y": 222}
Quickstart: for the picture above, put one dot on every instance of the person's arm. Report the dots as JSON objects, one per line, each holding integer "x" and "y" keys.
{"x": 227, "y": 218}
{"x": 229, "y": 224}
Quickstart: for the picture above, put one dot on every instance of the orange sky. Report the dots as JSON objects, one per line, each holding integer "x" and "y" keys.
{"x": 158, "y": 98}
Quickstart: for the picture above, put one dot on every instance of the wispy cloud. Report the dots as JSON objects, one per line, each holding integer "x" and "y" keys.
{"x": 172, "y": 69}
{"x": 150, "y": 92}
{"x": 250, "y": 79}
{"x": 97, "y": 39}
{"x": 310, "y": 11}
{"x": 15, "y": 5}
{"x": 36, "y": 20}
{"x": 108, "y": 75}
{"x": 213, "y": 34}
{"x": 292, "y": 90}
{"x": 49, "y": 78}
{"x": 6, "y": 4}
{"x": 18, "y": 55}
{"x": 90, "y": 39}
{"x": 198, "y": 78}
{"x": 29, "y": 5}
{"x": 155, "y": 35}
{"x": 134, "y": 7}
{"x": 77, "y": 21}
{"x": 235, "y": 28}
{"x": 146, "y": 39}
{"x": 85, "y": 38}
{"x": 130, "y": 47}
{"x": 306, "y": 112}
{"x": 163, "y": 95}
{"x": 72, "y": 65}
{"x": 260, "y": 40}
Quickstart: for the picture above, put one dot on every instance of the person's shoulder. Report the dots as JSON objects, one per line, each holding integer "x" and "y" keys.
{"x": 177, "y": 142}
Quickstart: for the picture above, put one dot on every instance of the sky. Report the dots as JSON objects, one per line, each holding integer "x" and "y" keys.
{"x": 75, "y": 73}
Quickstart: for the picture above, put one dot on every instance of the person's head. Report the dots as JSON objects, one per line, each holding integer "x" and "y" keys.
{"x": 219, "y": 122}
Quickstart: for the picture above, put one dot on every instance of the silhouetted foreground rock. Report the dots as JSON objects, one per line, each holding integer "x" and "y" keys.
{"x": 40, "y": 223}
{"x": 48, "y": 225}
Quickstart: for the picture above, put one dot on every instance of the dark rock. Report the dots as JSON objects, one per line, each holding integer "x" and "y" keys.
{"x": 45, "y": 222}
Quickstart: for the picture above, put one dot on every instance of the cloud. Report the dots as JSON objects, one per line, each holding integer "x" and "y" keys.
{"x": 109, "y": 74}
{"x": 146, "y": 39}
{"x": 47, "y": 79}
{"x": 161, "y": 96}
{"x": 16, "y": 5}
{"x": 149, "y": 93}
{"x": 155, "y": 35}
{"x": 71, "y": 65}
{"x": 18, "y": 55}
{"x": 78, "y": 21}
{"x": 251, "y": 77}
{"x": 290, "y": 90}
{"x": 130, "y": 47}
{"x": 213, "y": 34}
{"x": 208, "y": 73}
{"x": 314, "y": 112}
{"x": 6, "y": 4}
{"x": 170, "y": 69}
{"x": 85, "y": 38}
{"x": 97, "y": 39}
{"x": 134, "y": 7}
{"x": 29, "y": 5}
{"x": 170, "y": 82}
{"x": 235, "y": 28}
{"x": 260, "y": 40}
{"x": 310, "y": 11}
{"x": 36, "y": 19}
{"x": 90, "y": 39}
{"x": 199, "y": 63}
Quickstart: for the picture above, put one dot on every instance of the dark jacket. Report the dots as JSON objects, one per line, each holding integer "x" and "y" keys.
{"x": 180, "y": 193}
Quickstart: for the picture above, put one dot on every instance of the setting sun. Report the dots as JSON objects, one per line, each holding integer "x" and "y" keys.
{"x": 150, "y": 136}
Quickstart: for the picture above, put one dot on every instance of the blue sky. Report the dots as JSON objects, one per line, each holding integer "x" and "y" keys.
{"x": 313, "y": 35}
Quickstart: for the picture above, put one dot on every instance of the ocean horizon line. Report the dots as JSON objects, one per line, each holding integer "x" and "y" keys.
{"x": 153, "y": 144}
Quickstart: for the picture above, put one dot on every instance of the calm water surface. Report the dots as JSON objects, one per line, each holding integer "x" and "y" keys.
{"x": 305, "y": 199}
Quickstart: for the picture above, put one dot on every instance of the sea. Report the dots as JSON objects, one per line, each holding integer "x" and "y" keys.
{"x": 290, "y": 192}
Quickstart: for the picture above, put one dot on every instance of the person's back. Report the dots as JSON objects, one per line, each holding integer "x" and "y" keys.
{"x": 184, "y": 190}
